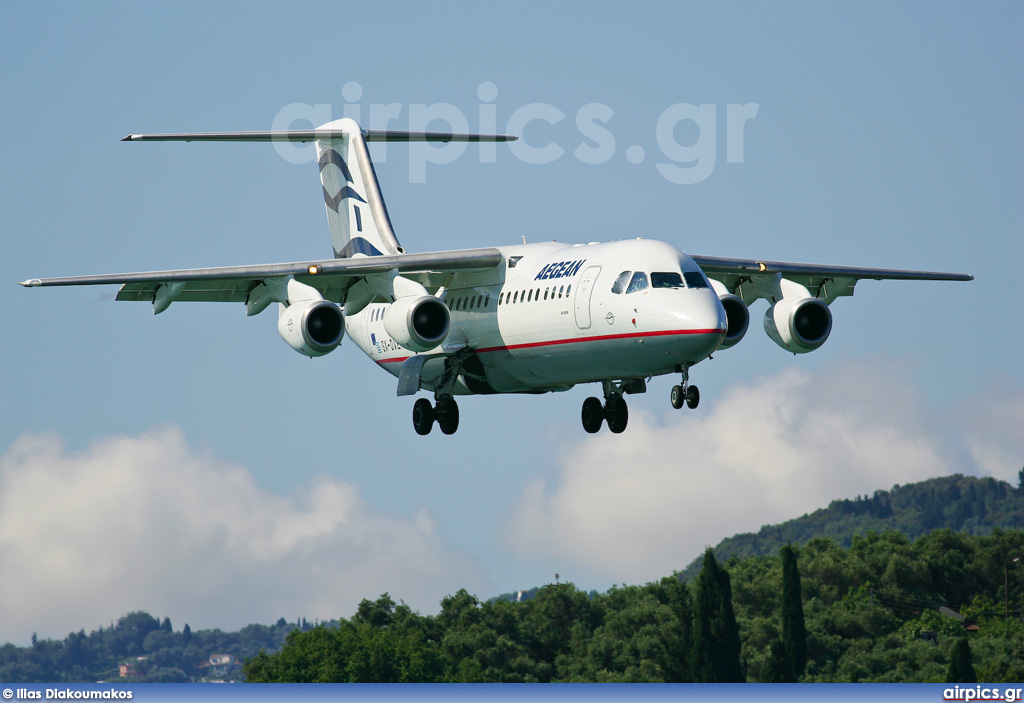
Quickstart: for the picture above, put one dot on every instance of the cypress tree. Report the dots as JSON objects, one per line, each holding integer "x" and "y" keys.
{"x": 778, "y": 670}
{"x": 716, "y": 645}
{"x": 961, "y": 668}
{"x": 794, "y": 634}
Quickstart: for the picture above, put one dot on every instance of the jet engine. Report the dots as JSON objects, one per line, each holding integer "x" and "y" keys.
{"x": 418, "y": 323}
{"x": 799, "y": 325}
{"x": 738, "y": 319}
{"x": 312, "y": 327}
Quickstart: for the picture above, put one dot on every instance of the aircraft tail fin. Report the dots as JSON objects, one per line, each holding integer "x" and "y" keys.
{"x": 356, "y": 213}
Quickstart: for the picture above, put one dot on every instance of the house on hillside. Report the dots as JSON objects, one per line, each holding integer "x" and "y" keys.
{"x": 221, "y": 667}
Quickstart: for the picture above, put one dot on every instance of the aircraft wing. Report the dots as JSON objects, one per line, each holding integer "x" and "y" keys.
{"x": 751, "y": 279}
{"x": 332, "y": 277}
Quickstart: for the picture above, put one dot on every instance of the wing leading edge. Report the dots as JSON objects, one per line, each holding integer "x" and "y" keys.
{"x": 751, "y": 279}
{"x": 332, "y": 277}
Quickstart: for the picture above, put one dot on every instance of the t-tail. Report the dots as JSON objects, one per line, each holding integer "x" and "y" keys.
{"x": 356, "y": 213}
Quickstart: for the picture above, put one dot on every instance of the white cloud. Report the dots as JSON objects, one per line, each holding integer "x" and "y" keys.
{"x": 994, "y": 432}
{"x": 146, "y": 523}
{"x": 635, "y": 506}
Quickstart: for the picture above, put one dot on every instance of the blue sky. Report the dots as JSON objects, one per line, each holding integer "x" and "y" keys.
{"x": 194, "y": 466}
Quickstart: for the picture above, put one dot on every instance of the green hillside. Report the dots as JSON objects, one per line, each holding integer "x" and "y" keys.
{"x": 975, "y": 506}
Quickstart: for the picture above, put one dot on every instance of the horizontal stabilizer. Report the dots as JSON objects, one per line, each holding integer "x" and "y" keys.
{"x": 309, "y": 135}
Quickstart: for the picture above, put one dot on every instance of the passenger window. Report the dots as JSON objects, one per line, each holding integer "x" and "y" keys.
{"x": 529, "y": 297}
{"x": 638, "y": 282}
{"x": 695, "y": 279}
{"x": 567, "y": 289}
{"x": 560, "y": 290}
{"x": 546, "y": 293}
{"x": 666, "y": 280}
{"x": 620, "y": 283}
{"x": 515, "y": 298}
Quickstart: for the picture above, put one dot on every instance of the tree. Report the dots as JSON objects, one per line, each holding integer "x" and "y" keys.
{"x": 778, "y": 669}
{"x": 794, "y": 634}
{"x": 961, "y": 668}
{"x": 716, "y": 647}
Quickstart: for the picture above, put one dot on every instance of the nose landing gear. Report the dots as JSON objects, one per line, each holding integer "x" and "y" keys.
{"x": 685, "y": 392}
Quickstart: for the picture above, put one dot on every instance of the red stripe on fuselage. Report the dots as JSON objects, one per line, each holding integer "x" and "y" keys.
{"x": 598, "y": 338}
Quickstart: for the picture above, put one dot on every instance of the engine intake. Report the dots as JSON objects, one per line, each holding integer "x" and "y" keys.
{"x": 418, "y": 323}
{"x": 738, "y": 319}
{"x": 799, "y": 325}
{"x": 312, "y": 327}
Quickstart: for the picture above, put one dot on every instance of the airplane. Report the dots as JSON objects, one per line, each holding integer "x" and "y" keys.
{"x": 526, "y": 318}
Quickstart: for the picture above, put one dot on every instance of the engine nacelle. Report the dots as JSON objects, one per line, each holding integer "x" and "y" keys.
{"x": 312, "y": 327}
{"x": 738, "y": 319}
{"x": 418, "y": 323}
{"x": 799, "y": 325}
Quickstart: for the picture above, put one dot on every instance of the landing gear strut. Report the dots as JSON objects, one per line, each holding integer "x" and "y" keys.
{"x": 685, "y": 392}
{"x": 614, "y": 410}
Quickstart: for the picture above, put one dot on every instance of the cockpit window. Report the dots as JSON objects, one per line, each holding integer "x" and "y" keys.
{"x": 695, "y": 279}
{"x": 666, "y": 280}
{"x": 620, "y": 283}
{"x": 638, "y": 282}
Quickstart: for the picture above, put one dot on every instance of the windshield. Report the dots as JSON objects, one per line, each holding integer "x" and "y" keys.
{"x": 638, "y": 282}
{"x": 695, "y": 279}
{"x": 620, "y": 283}
{"x": 666, "y": 280}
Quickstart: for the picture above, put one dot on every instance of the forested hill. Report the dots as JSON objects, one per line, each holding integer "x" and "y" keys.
{"x": 967, "y": 504}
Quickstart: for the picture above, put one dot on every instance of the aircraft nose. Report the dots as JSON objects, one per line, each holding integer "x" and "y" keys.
{"x": 702, "y": 315}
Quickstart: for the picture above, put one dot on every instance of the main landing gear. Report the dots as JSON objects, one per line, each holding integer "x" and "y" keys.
{"x": 446, "y": 412}
{"x": 685, "y": 393}
{"x": 614, "y": 410}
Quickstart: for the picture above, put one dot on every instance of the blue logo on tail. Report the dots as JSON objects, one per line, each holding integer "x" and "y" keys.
{"x": 333, "y": 201}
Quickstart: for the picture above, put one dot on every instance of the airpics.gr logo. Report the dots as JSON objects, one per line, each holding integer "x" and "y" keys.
{"x": 683, "y": 141}
{"x": 561, "y": 269}
{"x": 979, "y": 693}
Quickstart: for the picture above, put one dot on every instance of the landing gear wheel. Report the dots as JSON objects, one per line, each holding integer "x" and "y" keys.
{"x": 692, "y": 397}
{"x": 422, "y": 416}
{"x": 592, "y": 415}
{"x": 447, "y": 416}
{"x": 617, "y": 414}
{"x": 677, "y": 397}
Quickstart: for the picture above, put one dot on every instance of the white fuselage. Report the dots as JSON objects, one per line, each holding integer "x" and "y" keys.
{"x": 548, "y": 318}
